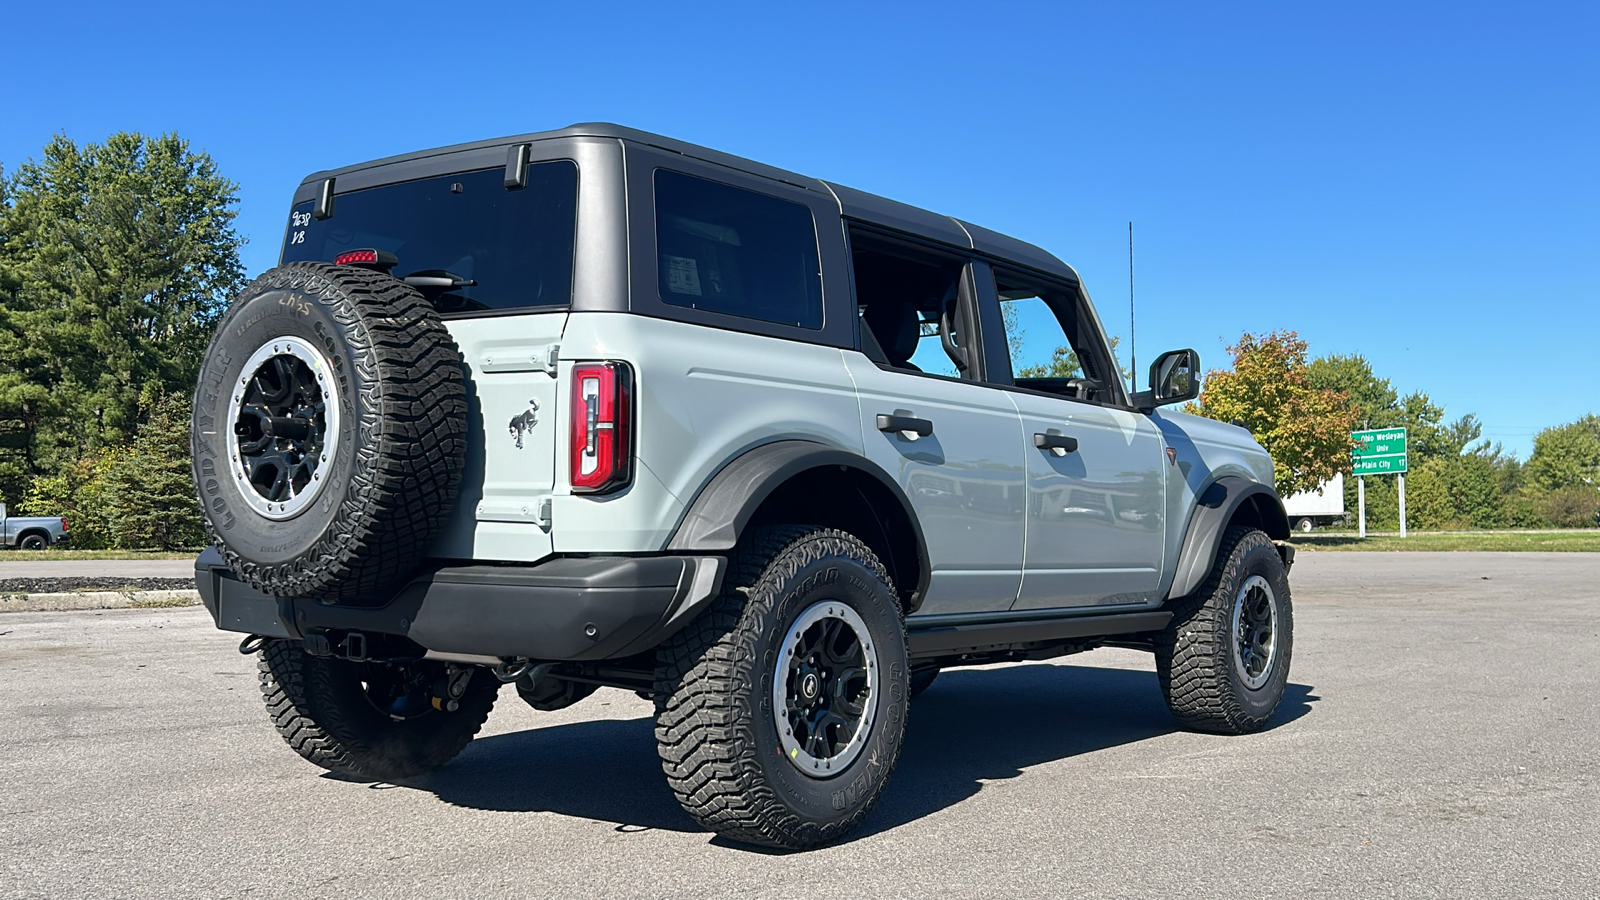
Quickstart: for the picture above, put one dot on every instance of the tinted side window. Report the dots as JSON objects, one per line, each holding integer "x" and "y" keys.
{"x": 511, "y": 248}
{"x": 728, "y": 250}
{"x": 907, "y": 296}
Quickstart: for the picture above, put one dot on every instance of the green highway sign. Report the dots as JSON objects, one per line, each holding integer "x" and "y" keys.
{"x": 1381, "y": 451}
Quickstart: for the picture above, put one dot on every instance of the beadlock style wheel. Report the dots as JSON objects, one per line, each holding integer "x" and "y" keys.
{"x": 1255, "y": 631}
{"x": 823, "y": 684}
{"x": 329, "y": 431}
{"x": 284, "y": 428}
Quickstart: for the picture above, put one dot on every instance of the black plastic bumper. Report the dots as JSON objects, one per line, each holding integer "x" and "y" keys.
{"x": 561, "y": 609}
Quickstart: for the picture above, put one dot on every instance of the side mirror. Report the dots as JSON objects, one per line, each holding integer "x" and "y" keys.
{"x": 1174, "y": 378}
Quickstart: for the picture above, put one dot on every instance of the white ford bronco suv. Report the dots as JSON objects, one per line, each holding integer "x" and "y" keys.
{"x": 594, "y": 407}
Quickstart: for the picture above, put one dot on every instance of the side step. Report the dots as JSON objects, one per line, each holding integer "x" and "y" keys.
{"x": 947, "y": 638}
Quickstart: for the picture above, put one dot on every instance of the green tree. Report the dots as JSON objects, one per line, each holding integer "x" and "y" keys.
{"x": 116, "y": 261}
{"x": 1063, "y": 363}
{"x": 1379, "y": 405}
{"x": 1428, "y": 506}
{"x": 1374, "y": 400}
{"x": 1572, "y": 506}
{"x": 1474, "y": 487}
{"x": 1306, "y": 429}
{"x": 149, "y": 492}
{"x": 1567, "y": 455}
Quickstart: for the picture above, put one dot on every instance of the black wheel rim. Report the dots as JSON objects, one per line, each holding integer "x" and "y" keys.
{"x": 1255, "y": 631}
{"x": 823, "y": 688}
{"x": 285, "y": 429}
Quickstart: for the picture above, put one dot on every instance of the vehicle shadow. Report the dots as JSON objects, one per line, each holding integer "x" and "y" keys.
{"x": 973, "y": 726}
{"x": 969, "y": 728}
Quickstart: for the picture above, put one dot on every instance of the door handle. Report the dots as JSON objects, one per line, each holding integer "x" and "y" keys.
{"x": 1059, "y": 444}
{"x": 918, "y": 427}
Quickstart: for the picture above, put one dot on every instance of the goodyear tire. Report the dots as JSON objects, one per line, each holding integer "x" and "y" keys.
{"x": 370, "y": 721}
{"x": 329, "y": 431}
{"x": 780, "y": 709}
{"x": 1223, "y": 660}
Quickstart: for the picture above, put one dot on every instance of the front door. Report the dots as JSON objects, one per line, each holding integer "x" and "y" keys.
{"x": 1095, "y": 468}
{"x": 1095, "y": 514}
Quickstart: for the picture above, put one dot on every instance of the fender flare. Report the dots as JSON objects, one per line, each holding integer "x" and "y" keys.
{"x": 722, "y": 509}
{"x": 1213, "y": 511}
{"x": 22, "y": 535}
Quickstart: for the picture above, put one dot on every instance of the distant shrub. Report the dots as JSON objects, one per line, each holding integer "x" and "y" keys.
{"x": 1573, "y": 506}
{"x": 137, "y": 497}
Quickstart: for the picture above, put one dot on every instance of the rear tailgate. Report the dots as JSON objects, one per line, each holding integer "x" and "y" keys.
{"x": 504, "y": 508}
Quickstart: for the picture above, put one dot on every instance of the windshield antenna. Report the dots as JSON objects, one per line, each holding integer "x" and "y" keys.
{"x": 1133, "y": 348}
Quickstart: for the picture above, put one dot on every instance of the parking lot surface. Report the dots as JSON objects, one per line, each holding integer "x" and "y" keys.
{"x": 96, "y": 568}
{"x": 1438, "y": 740}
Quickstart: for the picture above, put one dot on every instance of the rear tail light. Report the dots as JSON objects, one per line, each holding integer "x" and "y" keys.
{"x": 63, "y": 525}
{"x": 602, "y": 427}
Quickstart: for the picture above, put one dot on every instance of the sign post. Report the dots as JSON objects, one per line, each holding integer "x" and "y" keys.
{"x": 1380, "y": 451}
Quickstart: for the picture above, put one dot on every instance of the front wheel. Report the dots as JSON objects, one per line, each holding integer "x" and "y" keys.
{"x": 373, "y": 721}
{"x": 780, "y": 710}
{"x": 1223, "y": 660}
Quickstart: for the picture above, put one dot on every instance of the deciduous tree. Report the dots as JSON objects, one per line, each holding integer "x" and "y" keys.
{"x": 1306, "y": 429}
{"x": 1567, "y": 455}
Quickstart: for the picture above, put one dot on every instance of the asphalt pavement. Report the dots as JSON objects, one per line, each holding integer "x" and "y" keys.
{"x": 1437, "y": 740}
{"x": 96, "y": 568}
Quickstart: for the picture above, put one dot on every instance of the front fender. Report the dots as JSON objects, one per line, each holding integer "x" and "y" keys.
{"x": 1218, "y": 506}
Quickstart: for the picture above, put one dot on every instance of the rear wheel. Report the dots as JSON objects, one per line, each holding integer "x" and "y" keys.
{"x": 1223, "y": 661}
{"x": 35, "y": 542}
{"x": 373, "y": 721}
{"x": 780, "y": 710}
{"x": 1303, "y": 524}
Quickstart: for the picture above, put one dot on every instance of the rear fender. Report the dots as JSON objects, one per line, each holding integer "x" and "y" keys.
{"x": 736, "y": 494}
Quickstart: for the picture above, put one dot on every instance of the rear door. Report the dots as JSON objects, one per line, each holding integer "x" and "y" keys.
{"x": 494, "y": 253}
{"x": 952, "y": 442}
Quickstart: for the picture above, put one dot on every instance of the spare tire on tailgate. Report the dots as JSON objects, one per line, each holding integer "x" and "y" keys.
{"x": 329, "y": 430}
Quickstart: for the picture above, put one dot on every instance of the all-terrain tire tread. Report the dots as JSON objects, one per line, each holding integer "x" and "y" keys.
{"x": 1194, "y": 653}
{"x": 301, "y": 701}
{"x": 707, "y": 672}
{"x": 410, "y": 460}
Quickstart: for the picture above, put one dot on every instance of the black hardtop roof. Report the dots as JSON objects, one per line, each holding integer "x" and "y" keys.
{"x": 853, "y": 204}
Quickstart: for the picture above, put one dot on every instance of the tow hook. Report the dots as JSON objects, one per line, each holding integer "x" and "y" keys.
{"x": 448, "y": 690}
{"x": 252, "y": 644}
{"x": 512, "y": 667}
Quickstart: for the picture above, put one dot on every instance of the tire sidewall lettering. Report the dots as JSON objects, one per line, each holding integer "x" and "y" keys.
{"x": 276, "y": 306}
{"x": 845, "y": 580}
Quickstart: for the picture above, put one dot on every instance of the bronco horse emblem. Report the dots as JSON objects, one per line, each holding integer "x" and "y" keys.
{"x": 522, "y": 424}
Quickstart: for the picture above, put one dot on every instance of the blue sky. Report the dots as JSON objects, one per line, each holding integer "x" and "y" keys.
{"x": 1414, "y": 182}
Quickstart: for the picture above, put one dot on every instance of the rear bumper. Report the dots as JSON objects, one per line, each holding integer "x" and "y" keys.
{"x": 561, "y": 609}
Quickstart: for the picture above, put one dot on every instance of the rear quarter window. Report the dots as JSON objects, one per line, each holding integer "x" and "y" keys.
{"x": 514, "y": 248}
{"x": 742, "y": 253}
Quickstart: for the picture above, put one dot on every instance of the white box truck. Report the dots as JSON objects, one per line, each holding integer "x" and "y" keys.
{"x": 1314, "y": 509}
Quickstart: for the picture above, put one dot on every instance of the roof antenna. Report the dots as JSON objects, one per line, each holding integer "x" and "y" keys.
{"x": 1133, "y": 348}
